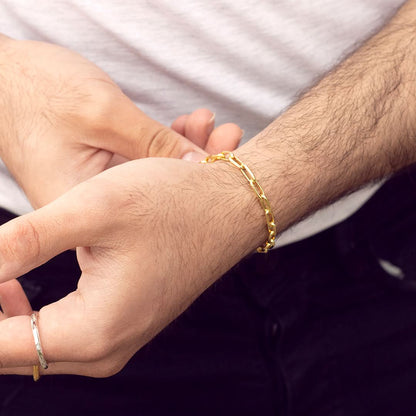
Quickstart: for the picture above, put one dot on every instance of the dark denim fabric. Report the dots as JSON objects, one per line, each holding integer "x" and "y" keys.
{"x": 326, "y": 326}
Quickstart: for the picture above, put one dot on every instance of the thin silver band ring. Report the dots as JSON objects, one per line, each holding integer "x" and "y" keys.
{"x": 38, "y": 345}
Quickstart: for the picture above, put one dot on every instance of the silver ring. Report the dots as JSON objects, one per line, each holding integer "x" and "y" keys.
{"x": 38, "y": 345}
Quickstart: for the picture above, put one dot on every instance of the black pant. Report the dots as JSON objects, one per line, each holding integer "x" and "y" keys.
{"x": 324, "y": 327}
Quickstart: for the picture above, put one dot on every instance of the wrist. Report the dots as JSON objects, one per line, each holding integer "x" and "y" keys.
{"x": 276, "y": 175}
{"x": 294, "y": 183}
{"x": 233, "y": 160}
{"x": 235, "y": 208}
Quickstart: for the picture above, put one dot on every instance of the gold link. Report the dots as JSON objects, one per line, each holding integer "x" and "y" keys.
{"x": 246, "y": 176}
{"x": 233, "y": 161}
{"x": 270, "y": 221}
{"x": 259, "y": 191}
{"x": 264, "y": 202}
{"x": 248, "y": 171}
{"x": 209, "y": 159}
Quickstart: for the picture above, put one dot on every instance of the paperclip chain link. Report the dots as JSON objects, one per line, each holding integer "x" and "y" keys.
{"x": 264, "y": 202}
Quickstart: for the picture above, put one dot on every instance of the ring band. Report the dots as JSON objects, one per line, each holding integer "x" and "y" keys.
{"x": 38, "y": 345}
{"x": 36, "y": 374}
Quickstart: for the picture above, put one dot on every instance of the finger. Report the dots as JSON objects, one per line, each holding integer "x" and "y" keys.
{"x": 13, "y": 299}
{"x": 22, "y": 371}
{"x": 104, "y": 367}
{"x": 68, "y": 344}
{"x": 17, "y": 343}
{"x": 81, "y": 369}
{"x": 59, "y": 330}
{"x": 97, "y": 369}
{"x": 69, "y": 221}
{"x": 199, "y": 126}
{"x": 179, "y": 124}
{"x": 129, "y": 132}
{"x": 116, "y": 160}
{"x": 101, "y": 368}
{"x": 225, "y": 137}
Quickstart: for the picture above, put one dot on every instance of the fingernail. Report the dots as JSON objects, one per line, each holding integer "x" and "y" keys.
{"x": 193, "y": 157}
{"x": 210, "y": 125}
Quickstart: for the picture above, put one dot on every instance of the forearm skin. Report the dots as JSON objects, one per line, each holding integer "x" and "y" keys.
{"x": 357, "y": 125}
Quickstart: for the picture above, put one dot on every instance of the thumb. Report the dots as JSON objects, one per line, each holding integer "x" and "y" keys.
{"x": 134, "y": 135}
{"x": 13, "y": 299}
{"x": 32, "y": 239}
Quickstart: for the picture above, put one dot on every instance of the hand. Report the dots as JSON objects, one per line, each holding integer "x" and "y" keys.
{"x": 176, "y": 231}
{"x": 199, "y": 128}
{"x": 63, "y": 119}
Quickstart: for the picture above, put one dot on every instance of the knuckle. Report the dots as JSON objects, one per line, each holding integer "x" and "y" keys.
{"x": 108, "y": 368}
{"x": 22, "y": 241}
{"x": 101, "y": 197}
{"x": 163, "y": 144}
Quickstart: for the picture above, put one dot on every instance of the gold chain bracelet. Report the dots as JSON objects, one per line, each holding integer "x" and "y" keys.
{"x": 264, "y": 202}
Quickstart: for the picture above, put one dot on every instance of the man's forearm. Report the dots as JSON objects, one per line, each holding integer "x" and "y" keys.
{"x": 356, "y": 125}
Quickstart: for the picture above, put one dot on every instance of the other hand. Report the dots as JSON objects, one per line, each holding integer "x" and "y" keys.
{"x": 63, "y": 119}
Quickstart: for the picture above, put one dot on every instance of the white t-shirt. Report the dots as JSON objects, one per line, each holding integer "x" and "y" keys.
{"x": 244, "y": 60}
